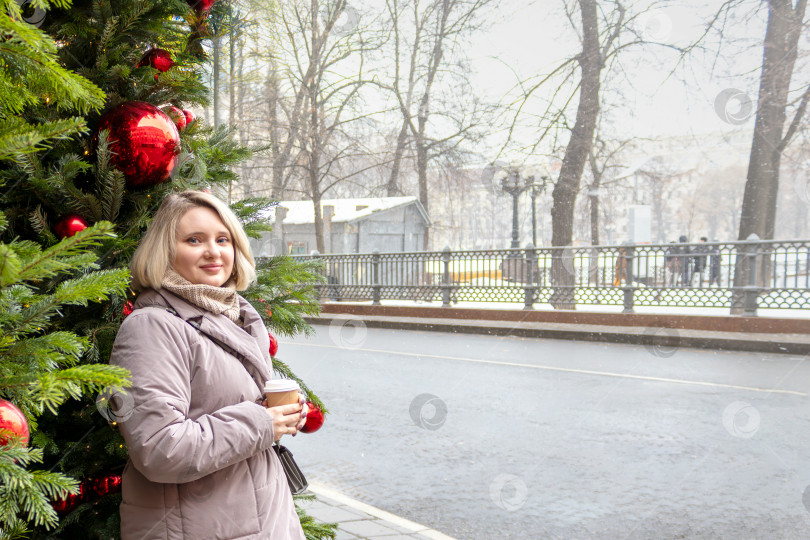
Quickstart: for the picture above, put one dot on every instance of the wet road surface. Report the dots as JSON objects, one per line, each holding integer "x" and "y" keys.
{"x": 496, "y": 437}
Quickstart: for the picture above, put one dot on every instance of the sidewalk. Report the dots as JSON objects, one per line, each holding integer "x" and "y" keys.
{"x": 791, "y": 342}
{"x": 359, "y": 520}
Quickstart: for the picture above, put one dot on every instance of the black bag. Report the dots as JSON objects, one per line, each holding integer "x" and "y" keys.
{"x": 295, "y": 478}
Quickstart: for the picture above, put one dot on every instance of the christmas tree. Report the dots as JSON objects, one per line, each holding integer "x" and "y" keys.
{"x": 94, "y": 131}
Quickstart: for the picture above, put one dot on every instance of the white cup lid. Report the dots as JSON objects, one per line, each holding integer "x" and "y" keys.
{"x": 280, "y": 385}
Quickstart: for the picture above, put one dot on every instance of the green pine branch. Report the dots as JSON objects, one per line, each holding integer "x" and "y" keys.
{"x": 287, "y": 288}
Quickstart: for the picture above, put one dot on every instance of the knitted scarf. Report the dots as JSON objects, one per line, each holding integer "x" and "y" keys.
{"x": 214, "y": 299}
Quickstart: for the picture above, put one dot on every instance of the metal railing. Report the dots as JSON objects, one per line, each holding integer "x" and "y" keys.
{"x": 742, "y": 276}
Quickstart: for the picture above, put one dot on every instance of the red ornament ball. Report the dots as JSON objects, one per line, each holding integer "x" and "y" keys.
{"x": 144, "y": 140}
{"x": 189, "y": 116}
{"x": 128, "y": 307}
{"x": 273, "y": 344}
{"x": 12, "y": 423}
{"x": 160, "y": 59}
{"x": 63, "y": 506}
{"x": 177, "y": 117}
{"x": 201, "y": 5}
{"x": 69, "y": 225}
{"x": 106, "y": 485}
{"x": 314, "y": 419}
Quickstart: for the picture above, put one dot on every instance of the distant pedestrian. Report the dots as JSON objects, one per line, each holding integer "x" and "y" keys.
{"x": 699, "y": 260}
{"x": 685, "y": 260}
{"x": 714, "y": 265}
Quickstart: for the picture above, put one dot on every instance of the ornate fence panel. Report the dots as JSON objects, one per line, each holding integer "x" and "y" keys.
{"x": 672, "y": 275}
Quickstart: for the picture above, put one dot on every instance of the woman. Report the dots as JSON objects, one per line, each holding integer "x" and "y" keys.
{"x": 199, "y": 438}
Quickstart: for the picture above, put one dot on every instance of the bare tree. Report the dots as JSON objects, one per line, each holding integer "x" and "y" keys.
{"x": 327, "y": 77}
{"x": 591, "y": 61}
{"x": 426, "y": 38}
{"x": 771, "y": 135}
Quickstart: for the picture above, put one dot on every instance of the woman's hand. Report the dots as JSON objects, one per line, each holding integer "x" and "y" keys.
{"x": 286, "y": 419}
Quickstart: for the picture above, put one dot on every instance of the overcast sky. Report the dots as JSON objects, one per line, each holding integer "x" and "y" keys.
{"x": 647, "y": 101}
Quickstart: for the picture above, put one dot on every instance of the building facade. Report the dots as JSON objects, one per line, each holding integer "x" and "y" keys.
{"x": 365, "y": 225}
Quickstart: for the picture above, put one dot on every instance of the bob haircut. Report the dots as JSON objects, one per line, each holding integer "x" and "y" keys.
{"x": 157, "y": 249}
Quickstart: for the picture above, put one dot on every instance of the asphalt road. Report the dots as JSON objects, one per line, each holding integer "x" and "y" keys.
{"x": 495, "y": 437}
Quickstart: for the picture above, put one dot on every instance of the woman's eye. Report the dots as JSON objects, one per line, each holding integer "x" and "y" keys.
{"x": 193, "y": 240}
{"x": 224, "y": 240}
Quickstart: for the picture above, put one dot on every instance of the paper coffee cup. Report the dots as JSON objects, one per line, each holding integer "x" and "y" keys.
{"x": 281, "y": 392}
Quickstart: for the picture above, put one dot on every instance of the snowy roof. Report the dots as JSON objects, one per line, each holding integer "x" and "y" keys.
{"x": 346, "y": 210}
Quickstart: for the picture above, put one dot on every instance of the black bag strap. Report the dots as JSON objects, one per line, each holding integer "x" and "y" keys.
{"x": 196, "y": 326}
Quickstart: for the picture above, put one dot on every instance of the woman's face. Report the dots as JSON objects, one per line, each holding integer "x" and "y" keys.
{"x": 204, "y": 252}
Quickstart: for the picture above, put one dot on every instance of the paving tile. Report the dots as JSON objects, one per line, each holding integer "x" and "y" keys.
{"x": 336, "y": 514}
{"x": 367, "y": 528}
{"x": 343, "y": 535}
{"x": 392, "y": 537}
{"x": 360, "y": 513}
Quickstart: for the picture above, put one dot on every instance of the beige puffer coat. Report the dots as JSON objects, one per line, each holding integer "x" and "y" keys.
{"x": 200, "y": 458}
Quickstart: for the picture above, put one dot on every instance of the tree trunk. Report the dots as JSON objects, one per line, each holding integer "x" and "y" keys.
{"x": 421, "y": 170}
{"x": 392, "y": 188}
{"x": 576, "y": 154}
{"x": 758, "y": 214}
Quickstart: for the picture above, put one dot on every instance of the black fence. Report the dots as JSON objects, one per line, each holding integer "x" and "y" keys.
{"x": 742, "y": 276}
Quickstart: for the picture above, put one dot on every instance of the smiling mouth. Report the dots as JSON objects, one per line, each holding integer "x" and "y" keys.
{"x": 211, "y": 267}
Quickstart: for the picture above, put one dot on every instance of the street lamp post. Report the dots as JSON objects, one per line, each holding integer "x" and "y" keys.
{"x": 513, "y": 184}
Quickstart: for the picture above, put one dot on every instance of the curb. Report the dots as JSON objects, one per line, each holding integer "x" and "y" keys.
{"x": 796, "y": 344}
{"x": 411, "y": 526}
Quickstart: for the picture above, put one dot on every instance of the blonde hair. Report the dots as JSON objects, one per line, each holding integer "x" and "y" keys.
{"x": 154, "y": 255}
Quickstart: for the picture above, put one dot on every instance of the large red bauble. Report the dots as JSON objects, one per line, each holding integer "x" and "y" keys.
{"x": 69, "y": 225}
{"x": 201, "y": 5}
{"x": 177, "y": 117}
{"x": 145, "y": 142}
{"x": 160, "y": 59}
{"x": 314, "y": 419}
{"x": 273, "y": 344}
{"x": 12, "y": 423}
